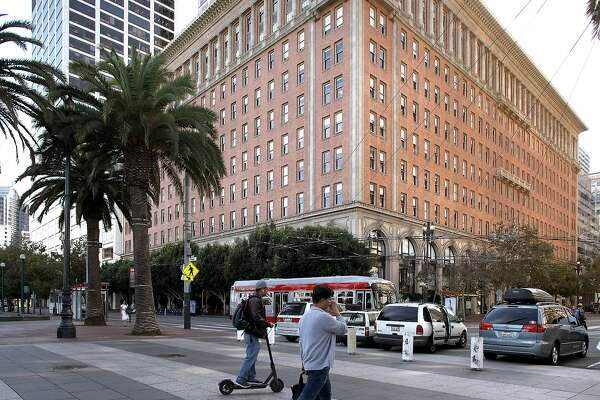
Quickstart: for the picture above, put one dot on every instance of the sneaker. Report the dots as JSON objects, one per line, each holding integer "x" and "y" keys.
{"x": 242, "y": 384}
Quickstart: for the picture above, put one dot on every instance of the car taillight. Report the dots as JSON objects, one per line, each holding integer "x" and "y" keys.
{"x": 419, "y": 329}
{"x": 486, "y": 326}
{"x": 366, "y": 331}
{"x": 279, "y": 319}
{"x": 533, "y": 328}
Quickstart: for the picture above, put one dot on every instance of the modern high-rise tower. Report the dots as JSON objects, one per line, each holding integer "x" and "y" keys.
{"x": 76, "y": 30}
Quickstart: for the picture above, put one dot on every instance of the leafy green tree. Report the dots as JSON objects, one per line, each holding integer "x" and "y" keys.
{"x": 156, "y": 131}
{"x": 96, "y": 189}
{"x": 166, "y": 272}
{"x": 17, "y": 79}
{"x": 117, "y": 276}
{"x": 212, "y": 263}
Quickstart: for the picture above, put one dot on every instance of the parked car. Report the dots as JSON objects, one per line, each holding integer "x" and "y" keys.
{"x": 530, "y": 323}
{"x": 364, "y": 322}
{"x": 430, "y": 324}
{"x": 288, "y": 320}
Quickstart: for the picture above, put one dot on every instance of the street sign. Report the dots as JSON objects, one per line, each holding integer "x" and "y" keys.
{"x": 26, "y": 289}
{"x": 189, "y": 272}
{"x": 192, "y": 258}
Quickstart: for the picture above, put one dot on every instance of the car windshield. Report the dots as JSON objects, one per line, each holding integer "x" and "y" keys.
{"x": 406, "y": 314}
{"x": 385, "y": 293}
{"x": 293, "y": 309}
{"x": 512, "y": 315}
{"x": 354, "y": 319}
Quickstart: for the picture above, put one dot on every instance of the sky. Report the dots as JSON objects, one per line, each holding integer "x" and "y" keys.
{"x": 545, "y": 29}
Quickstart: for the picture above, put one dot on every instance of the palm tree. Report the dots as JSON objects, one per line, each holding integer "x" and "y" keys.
{"x": 593, "y": 13}
{"x": 18, "y": 77}
{"x": 96, "y": 189}
{"x": 156, "y": 131}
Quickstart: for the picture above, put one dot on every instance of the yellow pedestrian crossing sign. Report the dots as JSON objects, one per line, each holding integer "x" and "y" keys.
{"x": 189, "y": 272}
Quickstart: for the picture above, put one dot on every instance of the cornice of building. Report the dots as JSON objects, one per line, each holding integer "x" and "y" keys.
{"x": 203, "y": 21}
{"x": 523, "y": 66}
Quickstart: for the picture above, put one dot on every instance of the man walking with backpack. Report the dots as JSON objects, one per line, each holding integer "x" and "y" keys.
{"x": 580, "y": 315}
{"x": 256, "y": 328}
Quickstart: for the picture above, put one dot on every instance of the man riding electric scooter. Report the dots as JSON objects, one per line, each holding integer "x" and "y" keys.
{"x": 257, "y": 329}
{"x": 250, "y": 316}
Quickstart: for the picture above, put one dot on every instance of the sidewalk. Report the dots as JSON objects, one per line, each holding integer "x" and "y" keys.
{"x": 29, "y": 332}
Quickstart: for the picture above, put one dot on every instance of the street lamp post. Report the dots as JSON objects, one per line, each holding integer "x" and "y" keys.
{"x": 22, "y": 257}
{"x": 577, "y": 273}
{"x": 66, "y": 329}
{"x": 2, "y": 266}
{"x": 428, "y": 231}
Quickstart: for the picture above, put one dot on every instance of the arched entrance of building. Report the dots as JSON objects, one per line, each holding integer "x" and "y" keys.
{"x": 376, "y": 244}
{"x": 408, "y": 260}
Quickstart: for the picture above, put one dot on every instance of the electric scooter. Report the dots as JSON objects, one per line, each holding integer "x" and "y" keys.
{"x": 227, "y": 386}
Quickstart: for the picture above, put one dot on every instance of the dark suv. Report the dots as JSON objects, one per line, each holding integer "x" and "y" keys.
{"x": 530, "y": 323}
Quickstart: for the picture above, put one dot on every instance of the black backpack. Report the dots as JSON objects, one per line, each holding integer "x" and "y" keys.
{"x": 239, "y": 317}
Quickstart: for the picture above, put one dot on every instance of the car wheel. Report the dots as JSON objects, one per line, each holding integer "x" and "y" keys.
{"x": 490, "y": 356}
{"x": 291, "y": 338}
{"x": 554, "y": 357}
{"x": 462, "y": 341}
{"x": 430, "y": 346}
{"x": 584, "y": 350}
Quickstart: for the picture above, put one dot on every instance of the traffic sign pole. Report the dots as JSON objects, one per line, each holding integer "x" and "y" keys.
{"x": 186, "y": 251}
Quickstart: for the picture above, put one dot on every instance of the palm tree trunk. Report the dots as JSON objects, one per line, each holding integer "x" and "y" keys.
{"x": 137, "y": 175}
{"x": 94, "y": 311}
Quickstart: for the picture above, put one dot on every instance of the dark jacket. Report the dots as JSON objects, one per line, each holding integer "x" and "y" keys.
{"x": 255, "y": 315}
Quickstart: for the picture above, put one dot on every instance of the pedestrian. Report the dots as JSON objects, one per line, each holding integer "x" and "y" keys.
{"x": 124, "y": 316}
{"x": 580, "y": 315}
{"x": 254, "y": 314}
{"x": 318, "y": 330}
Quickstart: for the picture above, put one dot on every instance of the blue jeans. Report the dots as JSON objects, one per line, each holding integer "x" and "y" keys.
{"x": 248, "y": 370}
{"x": 318, "y": 386}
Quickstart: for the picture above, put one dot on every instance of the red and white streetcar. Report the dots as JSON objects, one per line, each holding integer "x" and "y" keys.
{"x": 362, "y": 292}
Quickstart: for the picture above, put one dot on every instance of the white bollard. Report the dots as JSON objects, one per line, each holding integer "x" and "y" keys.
{"x": 407, "y": 347}
{"x": 477, "y": 353}
{"x": 271, "y": 335}
{"x": 351, "y": 340}
{"x": 240, "y": 335}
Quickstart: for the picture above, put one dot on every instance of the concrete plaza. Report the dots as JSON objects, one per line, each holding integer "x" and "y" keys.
{"x": 108, "y": 363}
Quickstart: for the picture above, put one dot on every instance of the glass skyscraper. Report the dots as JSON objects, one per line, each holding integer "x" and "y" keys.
{"x": 77, "y": 29}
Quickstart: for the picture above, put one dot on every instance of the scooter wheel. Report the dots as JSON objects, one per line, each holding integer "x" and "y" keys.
{"x": 277, "y": 385}
{"x": 226, "y": 387}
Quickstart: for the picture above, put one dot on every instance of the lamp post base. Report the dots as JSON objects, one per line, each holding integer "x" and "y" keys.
{"x": 65, "y": 331}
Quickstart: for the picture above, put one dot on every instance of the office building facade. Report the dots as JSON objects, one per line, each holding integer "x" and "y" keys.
{"x": 14, "y": 225}
{"x": 375, "y": 116}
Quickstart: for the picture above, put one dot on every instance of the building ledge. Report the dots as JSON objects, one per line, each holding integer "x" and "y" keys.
{"x": 513, "y": 180}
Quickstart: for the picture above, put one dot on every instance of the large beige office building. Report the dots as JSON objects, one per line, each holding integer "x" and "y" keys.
{"x": 375, "y": 116}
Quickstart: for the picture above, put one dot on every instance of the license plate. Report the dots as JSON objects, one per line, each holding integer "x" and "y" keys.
{"x": 396, "y": 328}
{"x": 508, "y": 334}
{"x": 287, "y": 320}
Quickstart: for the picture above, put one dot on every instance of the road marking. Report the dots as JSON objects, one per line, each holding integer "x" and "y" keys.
{"x": 593, "y": 327}
{"x": 593, "y": 365}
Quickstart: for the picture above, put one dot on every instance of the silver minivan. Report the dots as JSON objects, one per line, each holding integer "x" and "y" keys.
{"x": 525, "y": 326}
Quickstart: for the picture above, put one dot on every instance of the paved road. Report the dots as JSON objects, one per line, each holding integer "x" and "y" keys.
{"x": 592, "y": 361}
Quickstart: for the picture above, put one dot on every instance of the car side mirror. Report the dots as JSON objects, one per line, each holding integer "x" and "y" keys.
{"x": 460, "y": 320}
